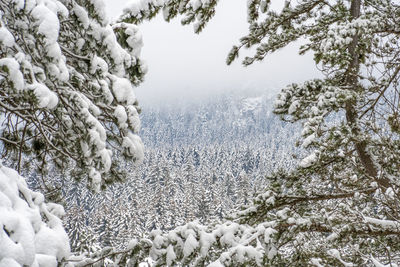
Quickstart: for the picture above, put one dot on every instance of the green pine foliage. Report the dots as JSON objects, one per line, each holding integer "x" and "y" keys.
{"x": 66, "y": 79}
{"x": 67, "y": 99}
{"x": 341, "y": 205}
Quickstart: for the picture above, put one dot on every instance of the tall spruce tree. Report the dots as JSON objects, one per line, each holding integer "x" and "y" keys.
{"x": 341, "y": 205}
{"x": 66, "y": 79}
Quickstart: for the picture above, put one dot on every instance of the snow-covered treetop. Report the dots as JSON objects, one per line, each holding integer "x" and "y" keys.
{"x": 31, "y": 231}
{"x": 66, "y": 80}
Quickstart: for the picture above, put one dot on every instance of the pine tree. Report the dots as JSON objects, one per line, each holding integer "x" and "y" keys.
{"x": 340, "y": 206}
{"x": 66, "y": 79}
{"x": 243, "y": 188}
{"x": 189, "y": 190}
{"x": 82, "y": 237}
{"x": 31, "y": 230}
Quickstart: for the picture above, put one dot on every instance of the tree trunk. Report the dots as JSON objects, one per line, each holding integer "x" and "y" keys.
{"x": 351, "y": 113}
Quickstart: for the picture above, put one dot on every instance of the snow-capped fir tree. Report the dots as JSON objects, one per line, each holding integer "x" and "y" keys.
{"x": 66, "y": 79}
{"x": 341, "y": 205}
{"x": 243, "y": 186}
{"x": 204, "y": 204}
{"x": 82, "y": 237}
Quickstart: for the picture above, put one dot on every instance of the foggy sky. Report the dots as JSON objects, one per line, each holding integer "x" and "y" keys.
{"x": 185, "y": 65}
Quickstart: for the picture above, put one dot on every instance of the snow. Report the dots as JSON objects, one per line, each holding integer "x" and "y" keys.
{"x": 308, "y": 140}
{"x": 98, "y": 63}
{"x": 46, "y": 261}
{"x": 316, "y": 262}
{"x": 82, "y": 15}
{"x": 386, "y": 224}
{"x": 195, "y": 4}
{"x": 121, "y": 116}
{"x": 99, "y": 6}
{"x": 251, "y": 104}
{"x": 134, "y": 7}
{"x": 105, "y": 156}
{"x": 8, "y": 262}
{"x": 46, "y": 98}
{"x": 133, "y": 146}
{"x": 206, "y": 239}
{"x": 31, "y": 232}
{"x": 123, "y": 90}
{"x": 293, "y": 107}
{"x": 378, "y": 264}
{"x": 95, "y": 176}
{"x": 282, "y": 214}
{"x": 309, "y": 160}
{"x": 48, "y": 23}
{"x": 216, "y": 263}
{"x": 133, "y": 118}
{"x": 158, "y": 240}
{"x": 272, "y": 252}
{"x": 134, "y": 40}
{"x": 332, "y": 237}
{"x": 268, "y": 234}
{"x": 390, "y": 193}
{"x": 227, "y": 233}
{"x": 6, "y": 37}
{"x": 14, "y": 73}
{"x": 19, "y": 4}
{"x": 120, "y": 57}
{"x": 336, "y": 254}
{"x": 50, "y": 50}
{"x": 96, "y": 140}
{"x": 171, "y": 256}
{"x": 190, "y": 245}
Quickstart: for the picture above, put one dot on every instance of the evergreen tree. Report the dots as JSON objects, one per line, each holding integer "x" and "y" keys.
{"x": 341, "y": 205}
{"x": 31, "y": 230}
{"x": 82, "y": 237}
{"x": 66, "y": 79}
{"x": 243, "y": 188}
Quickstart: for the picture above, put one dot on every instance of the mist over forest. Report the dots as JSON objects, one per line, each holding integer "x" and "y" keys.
{"x": 267, "y": 133}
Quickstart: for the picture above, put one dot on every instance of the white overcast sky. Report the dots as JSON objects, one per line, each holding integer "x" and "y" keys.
{"x": 186, "y": 65}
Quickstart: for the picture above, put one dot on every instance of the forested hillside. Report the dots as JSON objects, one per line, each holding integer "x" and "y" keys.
{"x": 201, "y": 161}
{"x": 223, "y": 181}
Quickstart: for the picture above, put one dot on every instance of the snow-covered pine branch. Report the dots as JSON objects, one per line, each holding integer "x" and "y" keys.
{"x": 31, "y": 231}
{"x": 198, "y": 12}
{"x": 341, "y": 205}
{"x": 66, "y": 79}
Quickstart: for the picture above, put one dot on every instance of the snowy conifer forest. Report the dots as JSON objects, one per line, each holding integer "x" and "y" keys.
{"x": 200, "y": 163}
{"x": 90, "y": 177}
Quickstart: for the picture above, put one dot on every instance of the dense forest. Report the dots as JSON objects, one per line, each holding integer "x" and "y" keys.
{"x": 310, "y": 178}
{"x": 201, "y": 161}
